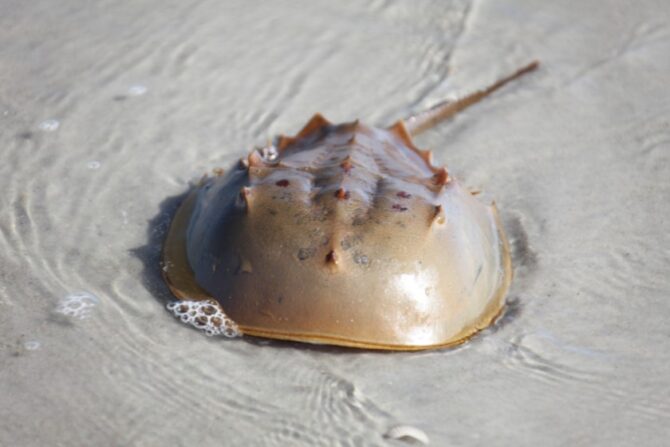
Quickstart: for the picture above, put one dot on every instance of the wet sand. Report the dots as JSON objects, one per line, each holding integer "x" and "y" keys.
{"x": 108, "y": 111}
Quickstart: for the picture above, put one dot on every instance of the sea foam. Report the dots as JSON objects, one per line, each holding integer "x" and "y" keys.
{"x": 206, "y": 316}
{"x": 77, "y": 304}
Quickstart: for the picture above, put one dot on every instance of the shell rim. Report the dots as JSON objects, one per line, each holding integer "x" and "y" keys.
{"x": 183, "y": 285}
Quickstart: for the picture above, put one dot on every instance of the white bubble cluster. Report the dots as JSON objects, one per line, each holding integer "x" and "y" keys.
{"x": 206, "y": 316}
{"x": 93, "y": 164}
{"x": 49, "y": 125}
{"x": 77, "y": 304}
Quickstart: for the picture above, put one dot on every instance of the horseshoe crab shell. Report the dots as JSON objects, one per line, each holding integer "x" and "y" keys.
{"x": 348, "y": 236}
{"x": 344, "y": 234}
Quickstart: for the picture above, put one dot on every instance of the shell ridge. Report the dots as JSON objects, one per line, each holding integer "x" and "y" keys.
{"x": 399, "y": 130}
{"x": 316, "y": 123}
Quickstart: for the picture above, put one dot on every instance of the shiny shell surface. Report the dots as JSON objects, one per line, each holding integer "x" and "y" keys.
{"x": 343, "y": 234}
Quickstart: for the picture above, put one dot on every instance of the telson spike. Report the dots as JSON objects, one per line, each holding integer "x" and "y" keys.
{"x": 244, "y": 266}
{"x": 427, "y": 156}
{"x": 400, "y": 130}
{"x": 441, "y": 177}
{"x": 342, "y": 194}
{"x": 283, "y": 141}
{"x": 255, "y": 159}
{"x": 446, "y": 109}
{"x": 438, "y": 215}
{"x": 332, "y": 258}
{"x": 244, "y": 197}
{"x": 315, "y": 124}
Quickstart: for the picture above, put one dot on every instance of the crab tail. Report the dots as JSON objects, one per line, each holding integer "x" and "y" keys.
{"x": 425, "y": 120}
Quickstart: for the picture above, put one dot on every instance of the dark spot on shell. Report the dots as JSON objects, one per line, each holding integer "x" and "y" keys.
{"x": 398, "y": 207}
{"x": 359, "y": 217}
{"x": 119, "y": 98}
{"x": 300, "y": 218}
{"x": 345, "y": 244}
{"x": 321, "y": 214}
{"x": 283, "y": 183}
{"x": 404, "y": 195}
{"x": 25, "y": 135}
{"x": 361, "y": 259}
{"x": 479, "y": 272}
{"x": 280, "y": 299}
{"x": 305, "y": 253}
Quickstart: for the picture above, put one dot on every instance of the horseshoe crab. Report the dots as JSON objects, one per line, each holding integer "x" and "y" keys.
{"x": 344, "y": 234}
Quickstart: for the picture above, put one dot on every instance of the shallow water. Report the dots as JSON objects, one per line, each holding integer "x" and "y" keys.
{"x": 109, "y": 110}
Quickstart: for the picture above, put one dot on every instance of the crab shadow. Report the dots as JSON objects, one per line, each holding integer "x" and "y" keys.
{"x": 150, "y": 253}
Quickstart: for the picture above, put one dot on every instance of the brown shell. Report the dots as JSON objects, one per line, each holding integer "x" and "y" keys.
{"x": 348, "y": 236}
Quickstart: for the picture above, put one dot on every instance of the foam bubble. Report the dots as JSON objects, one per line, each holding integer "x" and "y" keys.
{"x": 77, "y": 304}
{"x": 49, "y": 125}
{"x": 93, "y": 164}
{"x": 137, "y": 90}
{"x": 206, "y": 316}
{"x": 32, "y": 345}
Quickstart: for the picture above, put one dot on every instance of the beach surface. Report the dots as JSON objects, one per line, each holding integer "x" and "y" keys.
{"x": 110, "y": 110}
